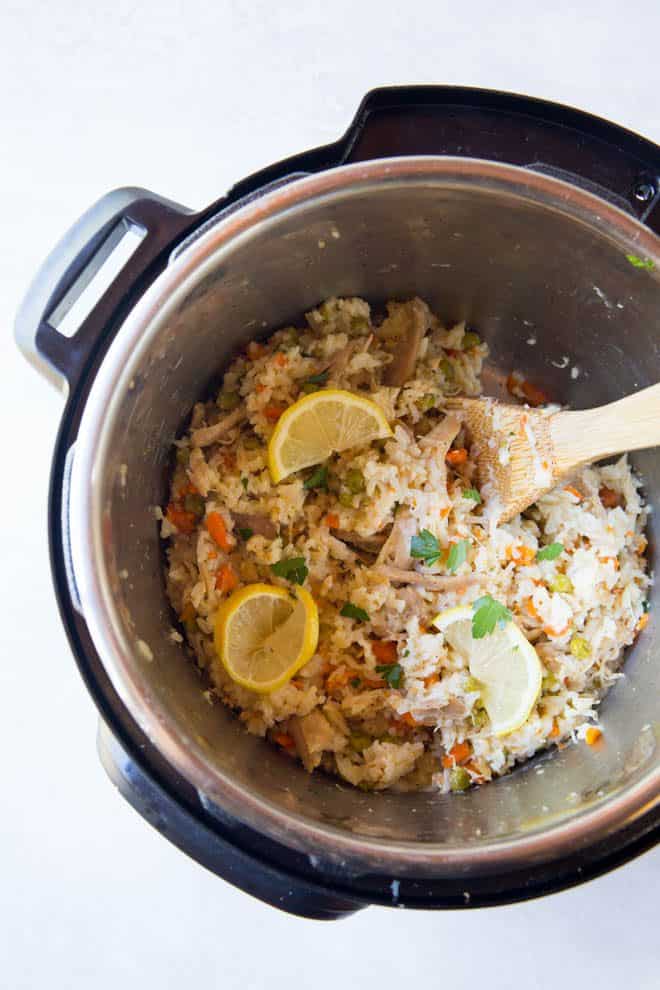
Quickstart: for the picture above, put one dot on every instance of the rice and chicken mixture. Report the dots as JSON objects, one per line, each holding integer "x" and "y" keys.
{"x": 385, "y": 702}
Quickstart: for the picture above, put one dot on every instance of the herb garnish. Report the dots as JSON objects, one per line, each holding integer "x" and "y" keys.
{"x": 551, "y": 552}
{"x": 294, "y": 569}
{"x": 392, "y": 673}
{"x": 488, "y": 613}
{"x": 351, "y": 611}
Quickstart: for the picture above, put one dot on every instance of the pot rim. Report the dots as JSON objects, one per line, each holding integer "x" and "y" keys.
{"x": 603, "y": 817}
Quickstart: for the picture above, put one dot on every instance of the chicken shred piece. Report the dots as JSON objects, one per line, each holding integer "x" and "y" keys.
{"x": 407, "y": 323}
{"x": 207, "y": 435}
{"x": 434, "y": 582}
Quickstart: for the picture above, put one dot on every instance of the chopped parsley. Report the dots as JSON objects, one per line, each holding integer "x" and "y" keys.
{"x": 646, "y": 605}
{"x": 640, "y": 262}
{"x": 351, "y": 611}
{"x": 473, "y": 494}
{"x": 457, "y": 555}
{"x": 319, "y": 379}
{"x": 392, "y": 673}
{"x": 355, "y": 682}
{"x": 245, "y": 533}
{"x": 425, "y": 547}
{"x": 244, "y": 482}
{"x": 318, "y": 479}
{"x": 294, "y": 569}
{"x": 551, "y": 552}
{"x": 488, "y": 613}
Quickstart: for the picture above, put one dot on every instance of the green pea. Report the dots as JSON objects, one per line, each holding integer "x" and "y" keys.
{"x": 354, "y": 481}
{"x": 472, "y": 684}
{"x": 470, "y": 339}
{"x": 426, "y": 402}
{"x": 447, "y": 368}
{"x": 309, "y": 387}
{"x": 346, "y": 499}
{"x": 195, "y": 504}
{"x": 479, "y": 717}
{"x": 549, "y": 683}
{"x": 459, "y": 779}
{"x": 251, "y": 443}
{"x": 228, "y": 400}
{"x": 580, "y": 647}
{"x": 561, "y": 583}
{"x": 358, "y": 741}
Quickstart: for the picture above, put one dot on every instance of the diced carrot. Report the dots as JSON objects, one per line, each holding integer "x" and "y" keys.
{"x": 642, "y": 545}
{"x": 406, "y": 721}
{"x": 609, "y": 498}
{"x": 573, "y": 491}
{"x": 521, "y": 555}
{"x": 459, "y": 753}
{"x": 522, "y": 389}
{"x": 384, "y": 650}
{"x": 592, "y": 735}
{"x": 534, "y": 395}
{"x": 211, "y": 555}
{"x": 256, "y": 350}
{"x": 337, "y": 679}
{"x": 456, "y": 457}
{"x": 550, "y": 631}
{"x": 188, "y": 613}
{"x": 431, "y": 680}
{"x": 373, "y": 683}
{"x": 554, "y": 731}
{"x": 259, "y": 388}
{"x": 225, "y": 579}
{"x": 273, "y": 412}
{"x": 473, "y": 769}
{"x": 332, "y": 520}
{"x": 445, "y": 512}
{"x": 184, "y": 521}
{"x": 531, "y": 608}
{"x": 643, "y": 622}
{"x": 218, "y": 530}
{"x": 610, "y": 560}
{"x": 281, "y": 360}
{"x": 284, "y": 740}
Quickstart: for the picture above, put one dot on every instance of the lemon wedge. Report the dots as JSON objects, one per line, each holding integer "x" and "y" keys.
{"x": 321, "y": 424}
{"x": 505, "y": 663}
{"x": 264, "y": 634}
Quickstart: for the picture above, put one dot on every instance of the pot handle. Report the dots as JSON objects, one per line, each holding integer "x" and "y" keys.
{"x": 613, "y": 163}
{"x": 108, "y": 253}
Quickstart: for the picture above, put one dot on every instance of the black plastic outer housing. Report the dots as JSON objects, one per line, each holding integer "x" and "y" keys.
{"x": 609, "y": 161}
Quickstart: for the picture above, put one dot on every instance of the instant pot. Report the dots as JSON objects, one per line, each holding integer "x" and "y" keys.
{"x": 536, "y": 223}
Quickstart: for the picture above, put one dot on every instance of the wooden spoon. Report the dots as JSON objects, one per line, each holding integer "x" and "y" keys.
{"x": 522, "y": 453}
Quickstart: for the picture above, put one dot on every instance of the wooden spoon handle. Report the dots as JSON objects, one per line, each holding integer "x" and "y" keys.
{"x": 587, "y": 435}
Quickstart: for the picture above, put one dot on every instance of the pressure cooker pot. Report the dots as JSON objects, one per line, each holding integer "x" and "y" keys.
{"x": 518, "y": 216}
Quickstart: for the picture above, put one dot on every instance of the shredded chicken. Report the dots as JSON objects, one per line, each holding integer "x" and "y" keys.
{"x": 396, "y": 549}
{"x": 199, "y": 472}
{"x": 435, "y": 582}
{"x": 407, "y": 323}
{"x": 371, "y": 544}
{"x": 207, "y": 435}
{"x": 313, "y": 734}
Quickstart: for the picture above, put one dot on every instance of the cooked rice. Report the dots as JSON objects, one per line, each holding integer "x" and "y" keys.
{"x": 338, "y": 713}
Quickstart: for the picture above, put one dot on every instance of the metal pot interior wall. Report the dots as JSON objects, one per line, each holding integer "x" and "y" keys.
{"x": 519, "y": 272}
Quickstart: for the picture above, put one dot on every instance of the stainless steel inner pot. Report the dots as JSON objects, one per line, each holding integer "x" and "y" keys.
{"x": 519, "y": 255}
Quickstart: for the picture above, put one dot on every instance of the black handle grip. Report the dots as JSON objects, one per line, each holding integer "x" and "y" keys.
{"x": 577, "y": 147}
{"x": 71, "y": 266}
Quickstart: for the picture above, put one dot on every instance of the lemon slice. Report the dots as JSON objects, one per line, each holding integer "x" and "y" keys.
{"x": 264, "y": 634}
{"x": 505, "y": 662}
{"x": 321, "y": 424}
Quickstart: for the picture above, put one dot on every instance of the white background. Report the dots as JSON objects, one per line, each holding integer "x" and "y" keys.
{"x": 184, "y": 98}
